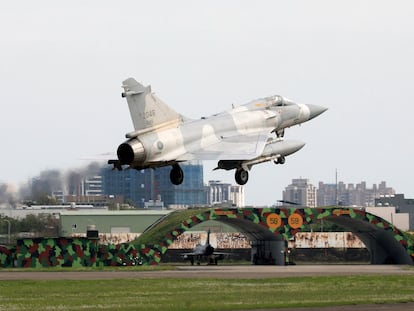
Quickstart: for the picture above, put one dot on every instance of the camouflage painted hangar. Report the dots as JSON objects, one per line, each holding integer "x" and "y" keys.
{"x": 268, "y": 229}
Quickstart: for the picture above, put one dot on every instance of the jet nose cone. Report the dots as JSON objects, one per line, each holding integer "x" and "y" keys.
{"x": 315, "y": 111}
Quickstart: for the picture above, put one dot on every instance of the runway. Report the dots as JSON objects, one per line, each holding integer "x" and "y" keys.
{"x": 222, "y": 272}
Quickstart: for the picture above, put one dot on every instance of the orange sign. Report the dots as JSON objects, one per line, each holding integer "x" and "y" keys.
{"x": 295, "y": 221}
{"x": 223, "y": 213}
{"x": 273, "y": 221}
{"x": 339, "y": 212}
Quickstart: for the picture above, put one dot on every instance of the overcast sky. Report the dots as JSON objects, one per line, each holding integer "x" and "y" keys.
{"x": 62, "y": 64}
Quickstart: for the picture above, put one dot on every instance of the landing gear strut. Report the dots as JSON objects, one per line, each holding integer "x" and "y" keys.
{"x": 280, "y": 133}
{"x": 241, "y": 176}
{"x": 176, "y": 175}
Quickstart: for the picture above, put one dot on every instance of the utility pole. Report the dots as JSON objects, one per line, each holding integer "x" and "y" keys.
{"x": 336, "y": 187}
{"x": 8, "y": 229}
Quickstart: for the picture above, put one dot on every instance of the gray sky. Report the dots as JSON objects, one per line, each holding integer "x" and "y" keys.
{"x": 62, "y": 65}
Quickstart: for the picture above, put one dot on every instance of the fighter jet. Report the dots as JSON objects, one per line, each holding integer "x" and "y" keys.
{"x": 204, "y": 251}
{"x": 238, "y": 138}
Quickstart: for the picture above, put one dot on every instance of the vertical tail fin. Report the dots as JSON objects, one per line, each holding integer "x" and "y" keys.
{"x": 147, "y": 110}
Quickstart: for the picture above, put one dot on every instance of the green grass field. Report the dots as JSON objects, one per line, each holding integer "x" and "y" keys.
{"x": 204, "y": 294}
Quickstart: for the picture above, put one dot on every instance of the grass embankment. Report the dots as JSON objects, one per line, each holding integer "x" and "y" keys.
{"x": 160, "y": 267}
{"x": 158, "y": 232}
{"x": 204, "y": 294}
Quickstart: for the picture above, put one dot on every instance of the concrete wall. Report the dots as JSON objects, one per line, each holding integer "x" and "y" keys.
{"x": 326, "y": 240}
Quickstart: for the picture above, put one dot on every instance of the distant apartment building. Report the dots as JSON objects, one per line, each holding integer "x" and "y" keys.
{"x": 92, "y": 186}
{"x": 218, "y": 192}
{"x": 301, "y": 192}
{"x": 85, "y": 190}
{"x": 59, "y": 196}
{"x": 237, "y": 195}
{"x": 350, "y": 194}
{"x": 79, "y": 184}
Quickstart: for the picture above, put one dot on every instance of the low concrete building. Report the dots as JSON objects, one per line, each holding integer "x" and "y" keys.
{"x": 402, "y": 205}
{"x": 113, "y": 226}
{"x": 400, "y": 220}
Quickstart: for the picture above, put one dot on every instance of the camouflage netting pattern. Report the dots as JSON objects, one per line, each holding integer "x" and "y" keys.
{"x": 83, "y": 252}
{"x": 285, "y": 222}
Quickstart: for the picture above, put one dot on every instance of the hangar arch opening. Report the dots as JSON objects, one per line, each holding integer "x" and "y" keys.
{"x": 382, "y": 245}
{"x": 266, "y": 247}
{"x": 326, "y": 242}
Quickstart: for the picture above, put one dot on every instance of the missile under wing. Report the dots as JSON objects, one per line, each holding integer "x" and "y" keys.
{"x": 238, "y": 138}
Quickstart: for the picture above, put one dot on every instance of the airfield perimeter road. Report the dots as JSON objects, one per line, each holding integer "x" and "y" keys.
{"x": 222, "y": 272}
{"x": 235, "y": 272}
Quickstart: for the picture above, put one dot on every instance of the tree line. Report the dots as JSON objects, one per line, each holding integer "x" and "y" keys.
{"x": 41, "y": 225}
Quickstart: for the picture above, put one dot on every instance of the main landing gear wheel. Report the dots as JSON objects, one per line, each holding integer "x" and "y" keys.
{"x": 176, "y": 175}
{"x": 241, "y": 176}
{"x": 280, "y": 160}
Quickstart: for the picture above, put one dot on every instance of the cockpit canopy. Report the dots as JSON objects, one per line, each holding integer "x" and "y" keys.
{"x": 270, "y": 102}
{"x": 277, "y": 101}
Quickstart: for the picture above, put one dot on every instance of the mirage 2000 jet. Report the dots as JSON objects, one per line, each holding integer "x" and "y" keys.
{"x": 238, "y": 138}
{"x": 204, "y": 251}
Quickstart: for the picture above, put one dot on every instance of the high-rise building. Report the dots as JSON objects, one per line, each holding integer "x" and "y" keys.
{"x": 301, "y": 192}
{"x": 218, "y": 192}
{"x": 189, "y": 193}
{"x": 139, "y": 187}
{"x": 131, "y": 184}
{"x": 327, "y": 194}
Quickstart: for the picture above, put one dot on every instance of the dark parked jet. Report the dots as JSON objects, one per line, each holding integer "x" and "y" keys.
{"x": 204, "y": 251}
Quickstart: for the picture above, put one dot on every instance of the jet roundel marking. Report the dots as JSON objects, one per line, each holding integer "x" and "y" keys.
{"x": 160, "y": 145}
{"x": 273, "y": 221}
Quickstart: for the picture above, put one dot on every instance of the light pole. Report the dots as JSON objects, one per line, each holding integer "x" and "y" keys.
{"x": 8, "y": 230}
